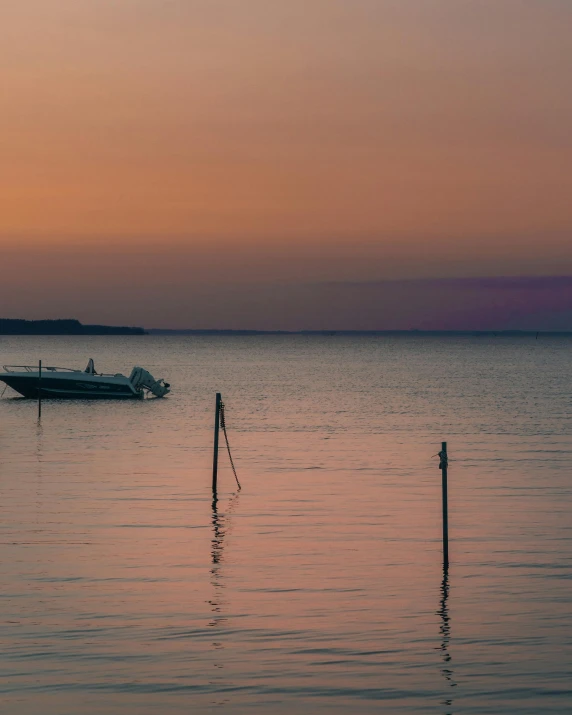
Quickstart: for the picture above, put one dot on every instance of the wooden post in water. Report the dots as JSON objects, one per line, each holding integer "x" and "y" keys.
{"x": 40, "y": 390}
{"x": 443, "y": 464}
{"x": 216, "y": 430}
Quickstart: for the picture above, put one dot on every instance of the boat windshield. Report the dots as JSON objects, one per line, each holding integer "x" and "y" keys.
{"x": 35, "y": 368}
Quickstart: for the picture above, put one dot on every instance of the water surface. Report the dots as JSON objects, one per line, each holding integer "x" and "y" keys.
{"x": 318, "y": 588}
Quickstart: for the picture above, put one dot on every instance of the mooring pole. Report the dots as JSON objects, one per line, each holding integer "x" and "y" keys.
{"x": 40, "y": 390}
{"x": 443, "y": 464}
{"x": 216, "y": 430}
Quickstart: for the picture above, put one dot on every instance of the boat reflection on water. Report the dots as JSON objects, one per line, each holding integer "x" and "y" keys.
{"x": 445, "y": 631}
{"x": 221, "y": 526}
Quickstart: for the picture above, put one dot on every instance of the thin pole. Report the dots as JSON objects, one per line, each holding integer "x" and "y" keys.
{"x": 40, "y": 390}
{"x": 443, "y": 466}
{"x": 216, "y": 430}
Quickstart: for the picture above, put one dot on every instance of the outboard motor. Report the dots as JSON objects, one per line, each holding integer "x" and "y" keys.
{"x": 143, "y": 380}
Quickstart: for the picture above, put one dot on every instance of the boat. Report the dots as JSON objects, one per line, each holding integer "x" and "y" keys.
{"x": 65, "y": 382}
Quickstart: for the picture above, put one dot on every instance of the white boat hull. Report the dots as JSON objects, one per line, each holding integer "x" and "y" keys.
{"x": 71, "y": 385}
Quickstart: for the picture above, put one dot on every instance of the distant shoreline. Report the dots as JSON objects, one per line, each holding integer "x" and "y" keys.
{"x": 388, "y": 333}
{"x": 11, "y": 326}
{"x": 64, "y": 327}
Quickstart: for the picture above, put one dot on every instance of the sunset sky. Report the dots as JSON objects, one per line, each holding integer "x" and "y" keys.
{"x": 157, "y": 154}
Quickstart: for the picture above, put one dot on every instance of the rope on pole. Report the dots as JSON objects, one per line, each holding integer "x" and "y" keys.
{"x": 223, "y": 425}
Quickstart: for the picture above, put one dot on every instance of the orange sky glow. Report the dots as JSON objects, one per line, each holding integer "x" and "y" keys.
{"x": 293, "y": 141}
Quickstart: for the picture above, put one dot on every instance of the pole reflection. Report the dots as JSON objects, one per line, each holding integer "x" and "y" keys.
{"x": 445, "y": 631}
{"x": 221, "y": 528}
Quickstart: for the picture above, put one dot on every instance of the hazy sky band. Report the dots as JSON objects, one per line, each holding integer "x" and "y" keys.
{"x": 299, "y": 141}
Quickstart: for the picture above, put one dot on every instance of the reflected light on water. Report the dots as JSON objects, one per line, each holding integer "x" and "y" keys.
{"x": 313, "y": 591}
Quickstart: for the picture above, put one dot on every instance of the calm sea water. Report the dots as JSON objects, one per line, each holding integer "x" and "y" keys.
{"x": 319, "y": 587}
